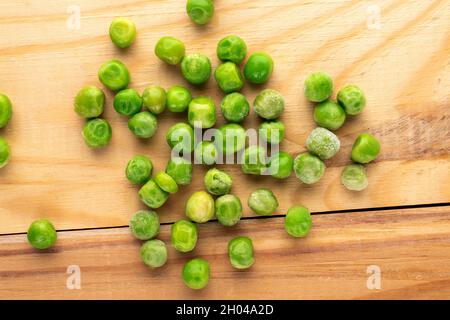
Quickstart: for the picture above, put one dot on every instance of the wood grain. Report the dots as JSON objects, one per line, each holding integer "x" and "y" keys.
{"x": 410, "y": 247}
{"x": 403, "y": 68}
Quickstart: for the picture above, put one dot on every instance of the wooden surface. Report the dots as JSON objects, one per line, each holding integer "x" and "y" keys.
{"x": 403, "y": 66}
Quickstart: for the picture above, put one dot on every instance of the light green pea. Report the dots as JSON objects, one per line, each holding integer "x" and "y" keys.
{"x": 232, "y": 48}
{"x": 5, "y": 153}
{"x": 114, "y": 75}
{"x": 228, "y": 77}
{"x": 139, "y": 170}
{"x": 323, "y": 143}
{"x": 184, "y": 236}
{"x": 206, "y": 153}
{"x": 354, "y": 177}
{"x": 281, "y": 165}
{"x": 233, "y": 138}
{"x": 235, "y": 107}
{"x": 329, "y": 115}
{"x": 181, "y": 137}
{"x": 298, "y": 222}
{"x": 263, "y": 202}
{"x": 97, "y": 133}
{"x": 254, "y": 160}
{"x": 318, "y": 87}
{"x": 352, "y": 99}
{"x": 152, "y": 195}
{"x": 196, "y": 68}
{"x": 89, "y": 103}
{"x": 122, "y": 32}
{"x": 180, "y": 170}
{"x": 154, "y": 253}
{"x": 196, "y": 273}
{"x": 200, "y": 207}
{"x": 202, "y": 113}
{"x": 365, "y": 149}
{"x": 218, "y": 182}
{"x": 154, "y": 98}
{"x": 241, "y": 252}
{"x": 269, "y": 104}
{"x": 308, "y": 168}
{"x": 228, "y": 210}
{"x": 143, "y": 125}
{"x": 144, "y": 225}
{"x": 128, "y": 102}
{"x": 41, "y": 234}
{"x": 200, "y": 11}
{"x": 178, "y": 99}
{"x": 166, "y": 182}
{"x": 272, "y": 131}
{"x": 170, "y": 50}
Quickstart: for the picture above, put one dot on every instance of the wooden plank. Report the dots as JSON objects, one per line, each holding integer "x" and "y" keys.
{"x": 409, "y": 246}
{"x": 403, "y": 68}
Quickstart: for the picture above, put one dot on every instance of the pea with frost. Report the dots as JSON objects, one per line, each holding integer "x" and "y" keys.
{"x": 254, "y": 160}
{"x": 206, "y": 153}
{"x": 352, "y": 99}
{"x": 139, "y": 170}
{"x": 263, "y": 202}
{"x": 308, "y": 168}
{"x": 184, "y": 236}
{"x": 323, "y": 143}
{"x": 218, "y": 182}
{"x": 228, "y": 210}
{"x": 269, "y": 104}
{"x": 154, "y": 253}
{"x": 196, "y": 68}
{"x": 235, "y": 107}
{"x": 144, "y": 225}
{"x": 318, "y": 86}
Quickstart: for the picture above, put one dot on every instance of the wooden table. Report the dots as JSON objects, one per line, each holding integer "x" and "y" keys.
{"x": 397, "y": 231}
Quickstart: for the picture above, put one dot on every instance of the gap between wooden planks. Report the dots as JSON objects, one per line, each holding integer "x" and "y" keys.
{"x": 410, "y": 247}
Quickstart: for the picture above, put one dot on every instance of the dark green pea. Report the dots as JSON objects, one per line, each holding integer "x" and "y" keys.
{"x": 354, "y": 177}
{"x": 114, "y": 75}
{"x": 5, "y": 152}
{"x": 152, "y": 195}
{"x": 298, "y": 222}
{"x": 154, "y": 253}
{"x": 200, "y": 207}
{"x": 241, "y": 253}
{"x": 263, "y": 202}
{"x": 323, "y": 143}
{"x": 329, "y": 115}
{"x": 170, "y": 50}
{"x": 139, "y": 170}
{"x": 233, "y": 138}
{"x": 144, "y": 224}
{"x": 89, "y": 103}
{"x": 154, "y": 99}
{"x": 166, "y": 182}
{"x": 228, "y": 77}
{"x": 202, "y": 113}
{"x": 254, "y": 160}
{"x": 228, "y": 210}
{"x": 200, "y": 11}
{"x": 365, "y": 149}
{"x": 318, "y": 87}
{"x": 143, "y": 125}
{"x": 180, "y": 170}
{"x": 41, "y": 234}
{"x": 272, "y": 131}
{"x": 184, "y": 236}
{"x": 196, "y": 68}
{"x": 269, "y": 104}
{"x": 232, "y": 48}
{"x": 235, "y": 107}
{"x": 352, "y": 99}
{"x": 206, "y": 153}
{"x": 128, "y": 102}
{"x": 308, "y": 168}
{"x": 259, "y": 68}
{"x": 218, "y": 182}
{"x": 178, "y": 99}
{"x": 181, "y": 137}
{"x": 97, "y": 133}
{"x": 122, "y": 32}
{"x": 281, "y": 165}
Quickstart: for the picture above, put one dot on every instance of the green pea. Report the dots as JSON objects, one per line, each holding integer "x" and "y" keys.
{"x": 144, "y": 225}
{"x": 228, "y": 77}
{"x": 263, "y": 202}
{"x": 143, "y": 125}
{"x": 228, "y": 210}
{"x": 202, "y": 113}
{"x": 166, "y": 182}
{"x": 89, "y": 103}
{"x": 6, "y": 110}
{"x": 41, "y": 234}
{"x": 281, "y": 165}
{"x": 241, "y": 253}
{"x": 329, "y": 115}
{"x": 269, "y": 104}
{"x": 139, "y": 170}
{"x": 200, "y": 207}
{"x": 5, "y": 152}
{"x": 308, "y": 168}
{"x": 233, "y": 138}
{"x": 152, "y": 195}
{"x": 181, "y": 137}
{"x": 178, "y": 99}
{"x": 180, "y": 170}
{"x": 218, "y": 182}
{"x": 254, "y": 160}
{"x": 155, "y": 99}
{"x": 200, "y": 11}
{"x": 122, "y": 32}
{"x": 259, "y": 68}
{"x": 365, "y": 149}
{"x": 206, "y": 153}
{"x": 114, "y": 75}
{"x": 235, "y": 107}
{"x": 128, "y": 102}
{"x": 97, "y": 133}
{"x": 323, "y": 143}
{"x": 196, "y": 273}
{"x": 232, "y": 48}
{"x": 184, "y": 236}
{"x": 318, "y": 87}
{"x": 196, "y": 68}
{"x": 298, "y": 222}
{"x": 352, "y": 99}
{"x": 354, "y": 177}
{"x": 170, "y": 50}
{"x": 154, "y": 253}
{"x": 272, "y": 131}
